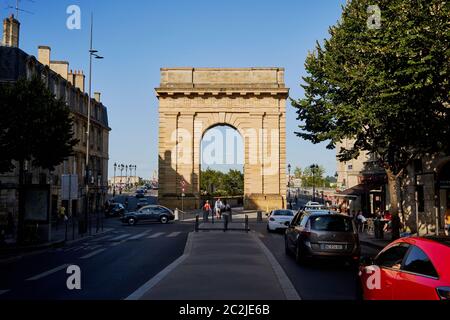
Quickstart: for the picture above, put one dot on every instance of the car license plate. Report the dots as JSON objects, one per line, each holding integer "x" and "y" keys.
{"x": 333, "y": 247}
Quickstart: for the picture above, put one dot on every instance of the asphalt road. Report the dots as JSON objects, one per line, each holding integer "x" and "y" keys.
{"x": 112, "y": 266}
{"x": 315, "y": 281}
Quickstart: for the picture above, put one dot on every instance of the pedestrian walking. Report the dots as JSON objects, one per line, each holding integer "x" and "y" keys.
{"x": 126, "y": 203}
{"x": 206, "y": 210}
{"x": 218, "y": 208}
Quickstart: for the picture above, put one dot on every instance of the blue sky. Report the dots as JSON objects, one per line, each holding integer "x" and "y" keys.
{"x": 139, "y": 37}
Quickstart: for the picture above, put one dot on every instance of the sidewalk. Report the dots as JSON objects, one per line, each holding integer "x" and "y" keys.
{"x": 370, "y": 241}
{"x": 220, "y": 266}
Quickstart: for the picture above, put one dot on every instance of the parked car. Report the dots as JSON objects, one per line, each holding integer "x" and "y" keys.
{"x": 408, "y": 269}
{"x": 279, "y": 219}
{"x": 142, "y": 203}
{"x": 149, "y": 213}
{"x": 115, "y": 210}
{"x": 323, "y": 234}
{"x": 140, "y": 194}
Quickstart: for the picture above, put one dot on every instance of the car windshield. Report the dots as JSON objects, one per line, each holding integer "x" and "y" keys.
{"x": 331, "y": 223}
{"x": 286, "y": 213}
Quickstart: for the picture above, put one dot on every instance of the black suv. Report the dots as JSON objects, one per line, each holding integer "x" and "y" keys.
{"x": 149, "y": 213}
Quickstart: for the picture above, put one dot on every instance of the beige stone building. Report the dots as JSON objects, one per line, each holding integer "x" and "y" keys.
{"x": 250, "y": 100}
{"x": 70, "y": 86}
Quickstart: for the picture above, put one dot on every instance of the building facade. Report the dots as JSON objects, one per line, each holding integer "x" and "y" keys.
{"x": 68, "y": 85}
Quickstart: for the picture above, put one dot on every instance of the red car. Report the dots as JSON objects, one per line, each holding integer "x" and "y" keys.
{"x": 409, "y": 269}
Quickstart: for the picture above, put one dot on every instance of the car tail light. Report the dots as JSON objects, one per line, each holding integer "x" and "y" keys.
{"x": 272, "y": 219}
{"x": 444, "y": 293}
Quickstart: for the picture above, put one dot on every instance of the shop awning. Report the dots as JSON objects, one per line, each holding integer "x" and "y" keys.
{"x": 357, "y": 190}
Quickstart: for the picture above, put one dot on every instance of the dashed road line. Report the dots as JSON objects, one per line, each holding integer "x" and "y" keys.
{"x": 174, "y": 234}
{"x": 140, "y": 235}
{"x": 120, "y": 237}
{"x": 90, "y": 255}
{"x": 49, "y": 272}
{"x": 156, "y": 235}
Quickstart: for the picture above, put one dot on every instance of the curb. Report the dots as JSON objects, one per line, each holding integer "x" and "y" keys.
{"x": 286, "y": 285}
{"x": 146, "y": 287}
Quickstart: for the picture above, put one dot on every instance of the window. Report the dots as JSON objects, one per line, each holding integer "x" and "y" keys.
{"x": 418, "y": 262}
{"x": 350, "y": 167}
{"x": 304, "y": 220}
{"x": 393, "y": 257}
{"x": 420, "y": 198}
{"x": 332, "y": 223}
{"x": 287, "y": 213}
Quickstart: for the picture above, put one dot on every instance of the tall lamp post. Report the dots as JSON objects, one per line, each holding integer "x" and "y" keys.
{"x": 114, "y": 181}
{"x": 289, "y": 186}
{"x": 121, "y": 166}
{"x": 314, "y": 167}
{"x": 92, "y": 54}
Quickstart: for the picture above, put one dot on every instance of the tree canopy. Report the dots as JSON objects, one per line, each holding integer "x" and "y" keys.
{"x": 34, "y": 126}
{"x": 386, "y": 87}
{"x": 218, "y": 183}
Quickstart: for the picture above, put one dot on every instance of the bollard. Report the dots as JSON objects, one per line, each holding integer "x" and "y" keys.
{"x": 177, "y": 214}
{"x": 231, "y": 215}
{"x": 196, "y": 222}
{"x": 246, "y": 223}
{"x": 225, "y": 223}
{"x": 259, "y": 216}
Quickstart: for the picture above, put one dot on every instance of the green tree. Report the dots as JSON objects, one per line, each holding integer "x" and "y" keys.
{"x": 385, "y": 88}
{"x": 313, "y": 177}
{"x": 217, "y": 183}
{"x": 233, "y": 183}
{"x": 36, "y": 127}
{"x": 298, "y": 173}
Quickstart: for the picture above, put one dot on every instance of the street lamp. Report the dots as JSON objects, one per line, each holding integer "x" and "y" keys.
{"x": 314, "y": 167}
{"x": 114, "y": 181}
{"x": 289, "y": 186}
{"x": 121, "y": 166}
{"x": 92, "y": 54}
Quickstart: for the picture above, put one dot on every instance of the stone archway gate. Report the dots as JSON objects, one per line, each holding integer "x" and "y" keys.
{"x": 251, "y": 100}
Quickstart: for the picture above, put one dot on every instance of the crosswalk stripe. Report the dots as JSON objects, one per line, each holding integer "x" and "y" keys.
{"x": 120, "y": 237}
{"x": 3, "y": 292}
{"x": 49, "y": 272}
{"x": 140, "y": 235}
{"x": 173, "y": 234}
{"x": 102, "y": 238}
{"x": 90, "y": 255}
{"x": 261, "y": 235}
{"x": 94, "y": 247}
{"x": 156, "y": 235}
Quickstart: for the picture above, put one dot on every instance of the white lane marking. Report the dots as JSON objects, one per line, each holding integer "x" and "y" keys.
{"x": 90, "y": 255}
{"x": 4, "y": 291}
{"x": 118, "y": 243}
{"x": 146, "y": 287}
{"x": 261, "y": 235}
{"x": 156, "y": 235}
{"x": 120, "y": 237}
{"x": 94, "y": 247}
{"x": 140, "y": 235}
{"x": 49, "y": 272}
{"x": 174, "y": 234}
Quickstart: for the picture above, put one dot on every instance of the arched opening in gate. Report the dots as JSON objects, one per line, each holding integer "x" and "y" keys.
{"x": 222, "y": 165}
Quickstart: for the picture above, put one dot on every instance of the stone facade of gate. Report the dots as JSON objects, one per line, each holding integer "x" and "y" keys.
{"x": 194, "y": 100}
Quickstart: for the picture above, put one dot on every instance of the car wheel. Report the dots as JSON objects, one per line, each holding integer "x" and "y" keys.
{"x": 131, "y": 221}
{"x": 164, "y": 219}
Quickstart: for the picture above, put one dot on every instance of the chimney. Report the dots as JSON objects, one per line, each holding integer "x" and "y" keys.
{"x": 97, "y": 96}
{"x": 61, "y": 68}
{"x": 44, "y": 55}
{"x": 11, "y": 30}
{"x": 78, "y": 80}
